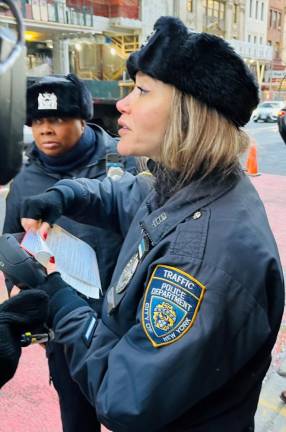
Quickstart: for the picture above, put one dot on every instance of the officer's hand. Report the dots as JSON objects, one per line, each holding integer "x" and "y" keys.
{"x": 41, "y": 211}
{"x": 23, "y": 312}
{"x": 53, "y": 283}
{"x": 34, "y": 225}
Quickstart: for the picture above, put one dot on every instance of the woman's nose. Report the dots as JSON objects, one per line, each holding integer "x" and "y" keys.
{"x": 123, "y": 105}
{"x": 46, "y": 128}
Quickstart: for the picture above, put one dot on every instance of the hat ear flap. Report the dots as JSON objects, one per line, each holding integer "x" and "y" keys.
{"x": 86, "y": 102}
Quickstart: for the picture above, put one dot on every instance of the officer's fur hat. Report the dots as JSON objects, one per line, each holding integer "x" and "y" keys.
{"x": 54, "y": 96}
{"x": 200, "y": 64}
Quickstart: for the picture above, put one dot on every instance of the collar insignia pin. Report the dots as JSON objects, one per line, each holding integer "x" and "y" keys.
{"x": 197, "y": 215}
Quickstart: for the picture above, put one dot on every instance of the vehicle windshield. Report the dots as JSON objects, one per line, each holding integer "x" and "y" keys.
{"x": 270, "y": 105}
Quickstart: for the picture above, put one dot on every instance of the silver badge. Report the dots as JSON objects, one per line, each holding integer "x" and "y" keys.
{"x": 110, "y": 299}
{"x": 127, "y": 273}
{"x": 115, "y": 173}
{"x": 47, "y": 101}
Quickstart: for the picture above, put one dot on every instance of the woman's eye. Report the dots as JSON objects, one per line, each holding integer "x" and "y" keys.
{"x": 142, "y": 90}
{"x": 36, "y": 122}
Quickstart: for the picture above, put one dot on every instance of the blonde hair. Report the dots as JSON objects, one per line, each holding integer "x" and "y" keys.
{"x": 199, "y": 141}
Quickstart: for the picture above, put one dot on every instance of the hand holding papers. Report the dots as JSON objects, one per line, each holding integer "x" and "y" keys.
{"x": 75, "y": 259}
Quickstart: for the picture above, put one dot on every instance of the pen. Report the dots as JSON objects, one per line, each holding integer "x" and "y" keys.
{"x": 29, "y": 338}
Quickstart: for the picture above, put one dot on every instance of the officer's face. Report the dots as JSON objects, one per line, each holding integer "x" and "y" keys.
{"x": 144, "y": 117}
{"x": 55, "y": 136}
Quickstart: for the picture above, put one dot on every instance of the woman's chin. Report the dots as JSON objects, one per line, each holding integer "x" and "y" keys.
{"x": 125, "y": 149}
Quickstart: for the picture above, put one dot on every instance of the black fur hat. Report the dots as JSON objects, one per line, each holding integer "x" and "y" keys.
{"x": 54, "y": 96}
{"x": 200, "y": 64}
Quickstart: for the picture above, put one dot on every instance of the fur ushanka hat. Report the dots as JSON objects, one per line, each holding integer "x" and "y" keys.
{"x": 54, "y": 96}
{"x": 200, "y": 64}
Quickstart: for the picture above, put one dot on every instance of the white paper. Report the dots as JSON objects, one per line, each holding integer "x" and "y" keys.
{"x": 80, "y": 286}
{"x": 75, "y": 259}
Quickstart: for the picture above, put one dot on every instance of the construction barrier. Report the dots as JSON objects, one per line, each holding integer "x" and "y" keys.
{"x": 251, "y": 162}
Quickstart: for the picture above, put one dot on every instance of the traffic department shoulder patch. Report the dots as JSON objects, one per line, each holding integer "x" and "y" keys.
{"x": 171, "y": 304}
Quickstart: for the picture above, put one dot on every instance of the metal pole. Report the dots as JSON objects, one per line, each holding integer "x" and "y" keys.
{"x": 270, "y": 86}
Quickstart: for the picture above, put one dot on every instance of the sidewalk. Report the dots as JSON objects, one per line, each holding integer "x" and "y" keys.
{"x": 271, "y": 413}
{"x": 272, "y": 190}
{"x": 29, "y": 404}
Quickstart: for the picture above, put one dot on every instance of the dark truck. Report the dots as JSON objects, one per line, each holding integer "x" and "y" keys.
{"x": 281, "y": 120}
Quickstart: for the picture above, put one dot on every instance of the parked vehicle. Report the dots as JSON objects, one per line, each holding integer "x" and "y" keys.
{"x": 27, "y": 136}
{"x": 281, "y": 121}
{"x": 267, "y": 111}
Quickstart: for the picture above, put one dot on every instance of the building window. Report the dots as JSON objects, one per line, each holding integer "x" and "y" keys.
{"x": 279, "y": 20}
{"x": 190, "y": 6}
{"x": 249, "y": 38}
{"x": 277, "y": 50}
{"x": 235, "y": 13}
{"x": 256, "y": 9}
{"x": 250, "y": 8}
{"x": 270, "y": 18}
{"x": 261, "y": 40}
{"x": 254, "y": 39}
{"x": 274, "y": 19}
{"x": 262, "y": 11}
{"x": 215, "y": 9}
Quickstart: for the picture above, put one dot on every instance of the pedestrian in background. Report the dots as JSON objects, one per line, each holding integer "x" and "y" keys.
{"x": 196, "y": 298}
{"x": 65, "y": 146}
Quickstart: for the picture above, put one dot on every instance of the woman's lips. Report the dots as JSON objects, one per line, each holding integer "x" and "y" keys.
{"x": 124, "y": 128}
{"x": 123, "y": 131}
{"x": 50, "y": 144}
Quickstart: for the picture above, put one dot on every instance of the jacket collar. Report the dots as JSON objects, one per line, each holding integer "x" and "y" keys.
{"x": 184, "y": 203}
{"x": 104, "y": 140}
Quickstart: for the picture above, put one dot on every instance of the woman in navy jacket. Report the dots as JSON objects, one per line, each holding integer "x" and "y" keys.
{"x": 196, "y": 298}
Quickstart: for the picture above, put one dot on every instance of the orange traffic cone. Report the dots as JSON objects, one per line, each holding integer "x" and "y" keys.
{"x": 251, "y": 162}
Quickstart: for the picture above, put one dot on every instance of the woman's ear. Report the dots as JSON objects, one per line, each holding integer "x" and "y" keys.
{"x": 83, "y": 124}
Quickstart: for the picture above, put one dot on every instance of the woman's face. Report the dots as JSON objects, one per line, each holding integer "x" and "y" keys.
{"x": 55, "y": 136}
{"x": 144, "y": 117}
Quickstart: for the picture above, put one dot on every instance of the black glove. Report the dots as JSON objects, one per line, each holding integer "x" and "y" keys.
{"x": 53, "y": 283}
{"x": 23, "y": 312}
{"x": 48, "y": 207}
{"x": 62, "y": 297}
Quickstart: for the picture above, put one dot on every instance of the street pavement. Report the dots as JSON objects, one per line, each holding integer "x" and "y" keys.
{"x": 271, "y": 413}
{"x": 271, "y": 150}
{"x": 29, "y": 404}
{"x": 271, "y": 185}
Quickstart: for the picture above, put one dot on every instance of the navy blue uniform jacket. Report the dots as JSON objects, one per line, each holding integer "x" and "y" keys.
{"x": 34, "y": 178}
{"x": 186, "y": 334}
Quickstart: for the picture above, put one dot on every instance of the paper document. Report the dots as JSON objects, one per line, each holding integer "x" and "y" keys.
{"x": 75, "y": 259}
